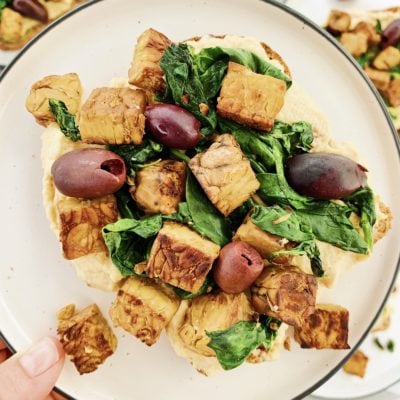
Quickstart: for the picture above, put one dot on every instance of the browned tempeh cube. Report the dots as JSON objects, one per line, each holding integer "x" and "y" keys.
{"x": 327, "y": 328}
{"x": 80, "y": 223}
{"x": 160, "y": 187}
{"x": 181, "y": 257}
{"x": 145, "y": 71}
{"x": 66, "y": 88}
{"x": 113, "y": 116}
{"x": 285, "y": 293}
{"x": 225, "y": 174}
{"x": 250, "y": 99}
{"x": 86, "y": 337}
{"x": 143, "y": 308}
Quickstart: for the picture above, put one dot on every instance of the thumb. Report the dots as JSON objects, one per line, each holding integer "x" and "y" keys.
{"x": 33, "y": 373}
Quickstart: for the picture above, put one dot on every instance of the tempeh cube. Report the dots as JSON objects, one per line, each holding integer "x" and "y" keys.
{"x": 327, "y": 328}
{"x": 181, "y": 257}
{"x": 225, "y": 174}
{"x": 113, "y": 116}
{"x": 143, "y": 308}
{"x": 80, "y": 224}
{"x": 249, "y": 98}
{"x": 86, "y": 337}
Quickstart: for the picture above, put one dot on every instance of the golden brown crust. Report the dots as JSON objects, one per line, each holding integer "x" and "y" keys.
{"x": 81, "y": 222}
{"x": 143, "y": 309}
{"x": 285, "y": 293}
{"x": 181, "y": 257}
{"x": 225, "y": 174}
{"x": 66, "y": 88}
{"x": 327, "y": 328}
{"x": 249, "y": 98}
{"x": 145, "y": 71}
{"x": 113, "y": 116}
{"x": 86, "y": 337}
{"x": 356, "y": 364}
{"x": 160, "y": 187}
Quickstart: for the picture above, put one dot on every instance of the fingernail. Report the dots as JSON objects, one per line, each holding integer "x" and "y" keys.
{"x": 40, "y": 357}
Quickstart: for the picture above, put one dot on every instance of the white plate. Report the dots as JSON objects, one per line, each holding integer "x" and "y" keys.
{"x": 35, "y": 281}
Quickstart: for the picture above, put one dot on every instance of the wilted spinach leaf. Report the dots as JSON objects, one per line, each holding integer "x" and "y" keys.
{"x": 206, "y": 219}
{"x": 136, "y": 157}
{"x": 208, "y": 58}
{"x": 184, "y": 86}
{"x": 128, "y": 239}
{"x": 65, "y": 119}
{"x": 233, "y": 345}
{"x": 329, "y": 222}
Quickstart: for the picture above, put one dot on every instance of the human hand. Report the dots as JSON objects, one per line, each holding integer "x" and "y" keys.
{"x": 31, "y": 374}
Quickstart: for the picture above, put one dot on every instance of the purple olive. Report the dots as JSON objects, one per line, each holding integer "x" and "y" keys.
{"x": 32, "y": 9}
{"x": 238, "y": 266}
{"x": 324, "y": 176}
{"x": 391, "y": 35}
{"x": 89, "y": 173}
{"x": 173, "y": 126}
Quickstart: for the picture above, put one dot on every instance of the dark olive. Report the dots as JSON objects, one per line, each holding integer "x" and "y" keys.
{"x": 173, "y": 126}
{"x": 324, "y": 176}
{"x": 32, "y": 9}
{"x": 89, "y": 173}
{"x": 238, "y": 266}
{"x": 391, "y": 35}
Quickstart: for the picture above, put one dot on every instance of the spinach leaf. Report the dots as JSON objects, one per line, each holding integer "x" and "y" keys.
{"x": 65, "y": 119}
{"x": 4, "y": 4}
{"x": 184, "y": 85}
{"x": 378, "y": 27}
{"x": 288, "y": 224}
{"x": 362, "y": 203}
{"x": 282, "y": 222}
{"x": 330, "y": 223}
{"x": 307, "y": 248}
{"x": 126, "y": 205}
{"x": 259, "y": 146}
{"x": 365, "y": 59}
{"x": 194, "y": 79}
{"x": 207, "y": 59}
{"x": 137, "y": 157}
{"x": 395, "y": 72}
{"x": 233, "y": 345}
{"x": 128, "y": 239}
{"x": 183, "y": 215}
{"x": 206, "y": 219}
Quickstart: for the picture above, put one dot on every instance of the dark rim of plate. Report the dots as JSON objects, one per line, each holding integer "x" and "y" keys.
{"x": 332, "y": 41}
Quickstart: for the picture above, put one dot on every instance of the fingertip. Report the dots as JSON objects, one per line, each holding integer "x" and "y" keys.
{"x": 58, "y": 346}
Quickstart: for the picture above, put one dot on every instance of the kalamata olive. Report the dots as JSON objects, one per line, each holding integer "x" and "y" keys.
{"x": 238, "y": 266}
{"x": 89, "y": 173}
{"x": 173, "y": 126}
{"x": 32, "y": 9}
{"x": 391, "y": 35}
{"x": 324, "y": 176}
